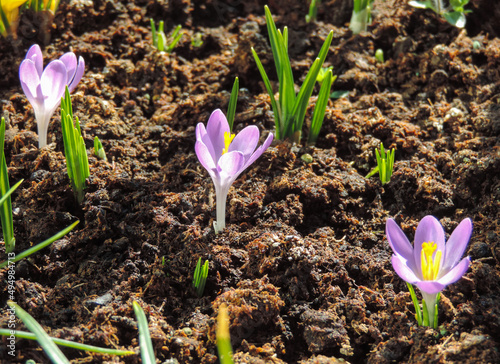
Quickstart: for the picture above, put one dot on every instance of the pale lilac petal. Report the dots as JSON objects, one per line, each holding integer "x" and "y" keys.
{"x": 230, "y": 164}
{"x": 430, "y": 287}
{"x": 30, "y": 81}
{"x": 246, "y": 141}
{"x": 402, "y": 269}
{"x": 35, "y": 54}
{"x": 53, "y": 84}
{"x": 397, "y": 240}
{"x": 69, "y": 60}
{"x": 428, "y": 230}
{"x": 204, "y": 156}
{"x": 202, "y": 136}
{"x": 77, "y": 76}
{"x": 200, "y": 131}
{"x": 456, "y": 245}
{"x": 259, "y": 151}
{"x": 216, "y": 127}
{"x": 456, "y": 273}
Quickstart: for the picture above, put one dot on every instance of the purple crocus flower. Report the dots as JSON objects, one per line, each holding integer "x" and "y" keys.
{"x": 225, "y": 156}
{"x": 45, "y": 87}
{"x": 431, "y": 264}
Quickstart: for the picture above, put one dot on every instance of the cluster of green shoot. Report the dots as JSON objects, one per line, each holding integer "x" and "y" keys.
{"x": 290, "y": 109}
{"x": 385, "y": 164}
{"x": 313, "y": 10}
{"x": 361, "y": 16}
{"x": 74, "y": 148}
{"x": 160, "y": 41}
{"x": 200, "y": 277}
{"x": 453, "y": 14}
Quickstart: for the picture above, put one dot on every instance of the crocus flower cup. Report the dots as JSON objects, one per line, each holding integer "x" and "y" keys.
{"x": 225, "y": 155}
{"x": 45, "y": 87}
{"x": 431, "y": 263}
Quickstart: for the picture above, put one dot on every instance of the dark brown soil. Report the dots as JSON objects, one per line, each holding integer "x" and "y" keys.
{"x": 304, "y": 265}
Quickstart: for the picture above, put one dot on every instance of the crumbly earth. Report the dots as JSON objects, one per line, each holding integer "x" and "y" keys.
{"x": 304, "y": 265}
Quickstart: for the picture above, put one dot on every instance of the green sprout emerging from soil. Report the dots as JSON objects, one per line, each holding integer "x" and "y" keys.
{"x": 361, "y": 16}
{"x": 385, "y": 164}
{"x": 224, "y": 347}
{"x": 74, "y": 148}
{"x": 290, "y": 110}
{"x": 99, "y": 149}
{"x": 200, "y": 277}
{"x": 453, "y": 14}
{"x": 233, "y": 99}
{"x": 160, "y": 39}
{"x": 147, "y": 351}
{"x": 313, "y": 11}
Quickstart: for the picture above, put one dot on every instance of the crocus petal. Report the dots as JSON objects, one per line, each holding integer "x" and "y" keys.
{"x": 259, "y": 151}
{"x": 69, "y": 60}
{"x": 406, "y": 273}
{"x": 204, "y": 156}
{"x": 35, "y": 54}
{"x": 30, "y": 81}
{"x": 246, "y": 141}
{"x": 430, "y": 287}
{"x": 397, "y": 240}
{"x": 200, "y": 131}
{"x": 53, "y": 84}
{"x": 202, "y": 136}
{"x": 456, "y": 245}
{"x": 216, "y": 127}
{"x": 80, "y": 69}
{"x": 456, "y": 273}
{"x": 428, "y": 230}
{"x": 230, "y": 164}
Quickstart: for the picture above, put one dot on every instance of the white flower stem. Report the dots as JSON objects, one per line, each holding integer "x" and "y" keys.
{"x": 221, "y": 198}
{"x": 42, "y": 128}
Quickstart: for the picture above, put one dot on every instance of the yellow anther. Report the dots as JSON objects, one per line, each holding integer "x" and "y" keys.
{"x": 228, "y": 138}
{"x": 430, "y": 265}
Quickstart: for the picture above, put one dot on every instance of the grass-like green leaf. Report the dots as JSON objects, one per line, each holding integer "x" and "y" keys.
{"x": 68, "y": 343}
{"x": 74, "y": 148}
{"x": 385, "y": 164}
{"x": 223, "y": 338}
{"x": 313, "y": 11}
{"x": 147, "y": 352}
{"x": 418, "y": 311}
{"x": 200, "y": 277}
{"x": 320, "y": 108}
{"x": 37, "y": 247}
{"x": 233, "y": 99}
{"x": 99, "y": 149}
{"x": 154, "y": 33}
{"x": 176, "y": 37}
{"x": 6, "y": 207}
{"x": 269, "y": 89}
{"x": 290, "y": 110}
{"x": 53, "y": 352}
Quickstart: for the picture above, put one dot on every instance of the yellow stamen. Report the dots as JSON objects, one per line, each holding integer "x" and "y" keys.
{"x": 430, "y": 265}
{"x": 228, "y": 138}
